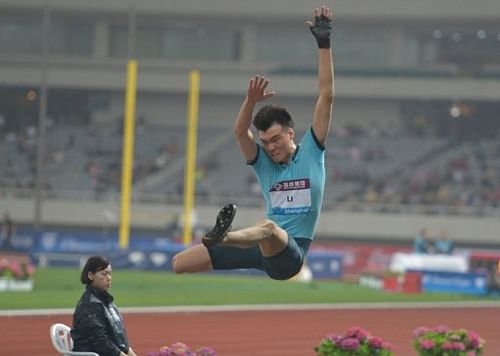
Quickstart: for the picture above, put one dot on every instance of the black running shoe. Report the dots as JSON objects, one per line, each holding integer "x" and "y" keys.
{"x": 222, "y": 226}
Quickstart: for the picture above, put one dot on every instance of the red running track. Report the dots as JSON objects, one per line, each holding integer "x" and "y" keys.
{"x": 245, "y": 333}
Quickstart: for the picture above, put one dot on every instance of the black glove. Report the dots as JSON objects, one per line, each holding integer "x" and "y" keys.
{"x": 321, "y": 30}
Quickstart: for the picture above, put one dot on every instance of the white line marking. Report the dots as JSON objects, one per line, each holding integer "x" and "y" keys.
{"x": 265, "y": 307}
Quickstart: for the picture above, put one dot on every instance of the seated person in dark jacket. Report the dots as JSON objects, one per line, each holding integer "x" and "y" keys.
{"x": 97, "y": 324}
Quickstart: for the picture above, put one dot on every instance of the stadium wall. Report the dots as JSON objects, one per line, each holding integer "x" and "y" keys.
{"x": 373, "y": 9}
{"x": 219, "y": 111}
{"x": 158, "y": 79}
{"x": 333, "y": 224}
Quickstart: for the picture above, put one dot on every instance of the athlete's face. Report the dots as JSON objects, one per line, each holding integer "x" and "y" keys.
{"x": 101, "y": 280}
{"x": 278, "y": 142}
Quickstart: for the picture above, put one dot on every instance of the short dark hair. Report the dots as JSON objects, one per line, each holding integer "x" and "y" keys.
{"x": 94, "y": 264}
{"x": 269, "y": 115}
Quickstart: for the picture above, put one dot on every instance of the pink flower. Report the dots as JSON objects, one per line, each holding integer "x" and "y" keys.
{"x": 421, "y": 330}
{"x": 357, "y": 332}
{"x": 15, "y": 269}
{"x": 205, "y": 351}
{"x": 181, "y": 349}
{"x": 387, "y": 346}
{"x": 336, "y": 339}
{"x": 179, "y": 346}
{"x": 447, "y": 346}
{"x": 4, "y": 264}
{"x": 441, "y": 329}
{"x": 349, "y": 344}
{"x": 375, "y": 342}
{"x": 441, "y": 340}
{"x": 458, "y": 346}
{"x": 355, "y": 341}
{"x": 475, "y": 341}
{"x": 29, "y": 270}
{"x": 426, "y": 344}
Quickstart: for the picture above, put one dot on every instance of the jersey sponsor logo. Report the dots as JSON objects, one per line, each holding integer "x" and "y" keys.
{"x": 291, "y": 197}
{"x": 291, "y": 185}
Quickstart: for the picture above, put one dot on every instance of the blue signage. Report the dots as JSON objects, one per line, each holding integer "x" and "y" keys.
{"x": 325, "y": 264}
{"x": 60, "y": 247}
{"x": 452, "y": 282}
{"x": 85, "y": 241}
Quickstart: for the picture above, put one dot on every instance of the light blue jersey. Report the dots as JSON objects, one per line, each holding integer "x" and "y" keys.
{"x": 294, "y": 192}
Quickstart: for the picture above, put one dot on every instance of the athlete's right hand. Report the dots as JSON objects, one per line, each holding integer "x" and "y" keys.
{"x": 257, "y": 89}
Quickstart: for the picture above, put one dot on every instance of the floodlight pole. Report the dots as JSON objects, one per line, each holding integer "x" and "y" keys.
{"x": 128, "y": 133}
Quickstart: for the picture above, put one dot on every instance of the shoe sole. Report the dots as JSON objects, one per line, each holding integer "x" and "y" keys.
{"x": 221, "y": 221}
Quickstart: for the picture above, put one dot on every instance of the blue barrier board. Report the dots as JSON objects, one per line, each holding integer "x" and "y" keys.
{"x": 452, "y": 282}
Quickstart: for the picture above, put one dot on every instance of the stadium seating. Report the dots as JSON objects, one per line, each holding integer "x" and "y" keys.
{"x": 364, "y": 170}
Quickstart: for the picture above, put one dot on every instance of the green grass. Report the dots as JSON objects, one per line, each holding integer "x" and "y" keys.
{"x": 60, "y": 288}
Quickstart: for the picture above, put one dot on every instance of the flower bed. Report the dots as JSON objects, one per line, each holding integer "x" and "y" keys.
{"x": 355, "y": 342}
{"x": 181, "y": 349}
{"x": 15, "y": 275}
{"x": 441, "y": 340}
{"x": 437, "y": 341}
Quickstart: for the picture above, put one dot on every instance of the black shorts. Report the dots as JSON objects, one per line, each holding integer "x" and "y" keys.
{"x": 284, "y": 265}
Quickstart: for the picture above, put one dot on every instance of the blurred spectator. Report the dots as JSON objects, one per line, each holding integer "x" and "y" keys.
{"x": 172, "y": 148}
{"x": 422, "y": 243}
{"x": 443, "y": 244}
{"x": 2, "y": 123}
{"x": 140, "y": 124}
{"x": 7, "y": 232}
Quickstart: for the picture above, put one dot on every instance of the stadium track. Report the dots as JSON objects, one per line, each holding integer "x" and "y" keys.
{"x": 260, "y": 330}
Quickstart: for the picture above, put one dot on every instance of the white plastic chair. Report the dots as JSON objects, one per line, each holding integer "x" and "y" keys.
{"x": 63, "y": 343}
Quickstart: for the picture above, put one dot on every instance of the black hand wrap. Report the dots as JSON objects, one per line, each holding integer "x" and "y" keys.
{"x": 321, "y": 30}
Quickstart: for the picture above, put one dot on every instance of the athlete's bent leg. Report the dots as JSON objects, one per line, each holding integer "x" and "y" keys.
{"x": 192, "y": 260}
{"x": 266, "y": 233}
